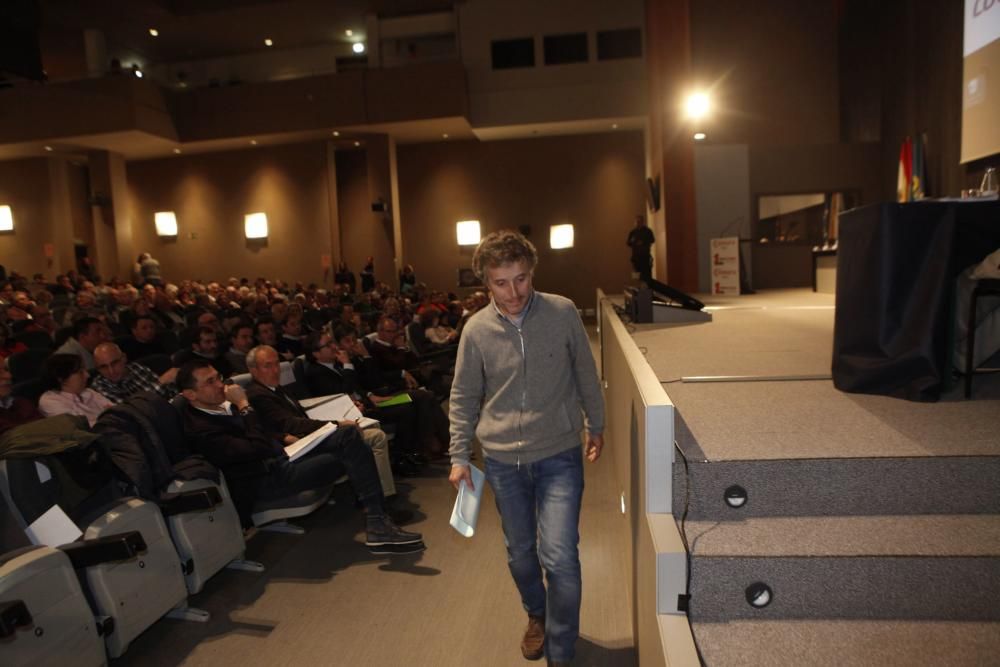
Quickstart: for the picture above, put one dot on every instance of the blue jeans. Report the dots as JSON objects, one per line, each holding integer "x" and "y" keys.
{"x": 539, "y": 506}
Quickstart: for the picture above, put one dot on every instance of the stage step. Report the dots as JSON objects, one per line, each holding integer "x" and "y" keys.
{"x": 854, "y": 643}
{"x": 840, "y": 486}
{"x": 884, "y": 567}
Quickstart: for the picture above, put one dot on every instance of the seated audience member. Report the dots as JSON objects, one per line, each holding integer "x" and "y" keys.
{"x": 117, "y": 379}
{"x": 286, "y": 420}
{"x": 221, "y": 424}
{"x": 437, "y": 332}
{"x": 20, "y": 309}
{"x": 202, "y": 343}
{"x": 143, "y": 341}
{"x": 240, "y": 343}
{"x": 8, "y": 346}
{"x": 88, "y": 333}
{"x": 399, "y": 365}
{"x": 290, "y": 344}
{"x": 66, "y": 379}
{"x": 383, "y": 380}
{"x": 266, "y": 332}
{"x": 14, "y": 410}
{"x": 85, "y": 306}
{"x": 330, "y": 369}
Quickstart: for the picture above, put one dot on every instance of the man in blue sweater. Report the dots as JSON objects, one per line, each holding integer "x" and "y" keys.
{"x": 524, "y": 379}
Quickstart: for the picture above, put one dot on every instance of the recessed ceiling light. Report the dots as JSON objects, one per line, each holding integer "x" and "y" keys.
{"x": 268, "y": 42}
{"x": 444, "y": 136}
{"x": 349, "y": 33}
{"x": 359, "y": 47}
{"x": 253, "y": 142}
{"x": 699, "y": 136}
{"x": 614, "y": 126}
{"x": 357, "y": 143}
{"x": 48, "y": 149}
{"x": 154, "y": 32}
{"x": 177, "y": 151}
{"x": 137, "y": 71}
{"x": 336, "y": 133}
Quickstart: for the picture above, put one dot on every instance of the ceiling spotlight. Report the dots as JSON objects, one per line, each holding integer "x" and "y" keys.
{"x": 154, "y": 32}
{"x": 444, "y": 136}
{"x": 48, "y": 149}
{"x": 349, "y": 33}
{"x": 357, "y": 143}
{"x": 336, "y": 133}
{"x": 268, "y": 41}
{"x": 359, "y": 47}
{"x": 137, "y": 71}
{"x": 699, "y": 136}
{"x": 253, "y": 142}
{"x": 697, "y": 106}
{"x": 177, "y": 151}
{"x": 614, "y": 126}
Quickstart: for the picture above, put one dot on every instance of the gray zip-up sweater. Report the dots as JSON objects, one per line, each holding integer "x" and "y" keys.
{"x": 522, "y": 391}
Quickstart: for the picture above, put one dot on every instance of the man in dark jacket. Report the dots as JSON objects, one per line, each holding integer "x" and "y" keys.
{"x": 222, "y": 425}
{"x": 285, "y": 420}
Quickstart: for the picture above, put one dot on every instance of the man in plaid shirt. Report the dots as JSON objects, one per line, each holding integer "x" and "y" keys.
{"x": 117, "y": 379}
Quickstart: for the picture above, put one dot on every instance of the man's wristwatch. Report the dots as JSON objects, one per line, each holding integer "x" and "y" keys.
{"x": 244, "y": 410}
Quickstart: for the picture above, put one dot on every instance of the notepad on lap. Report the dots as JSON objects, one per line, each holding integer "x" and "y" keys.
{"x": 306, "y": 443}
{"x": 466, "y": 510}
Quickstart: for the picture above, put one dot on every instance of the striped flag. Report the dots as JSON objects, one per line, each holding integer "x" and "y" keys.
{"x": 904, "y": 177}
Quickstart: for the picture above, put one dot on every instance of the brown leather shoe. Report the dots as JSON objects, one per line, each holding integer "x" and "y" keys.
{"x": 533, "y": 644}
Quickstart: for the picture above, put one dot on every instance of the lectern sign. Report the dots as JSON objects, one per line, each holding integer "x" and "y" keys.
{"x": 725, "y": 262}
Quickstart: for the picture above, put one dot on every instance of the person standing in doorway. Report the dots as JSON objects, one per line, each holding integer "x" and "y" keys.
{"x": 524, "y": 379}
{"x": 641, "y": 240}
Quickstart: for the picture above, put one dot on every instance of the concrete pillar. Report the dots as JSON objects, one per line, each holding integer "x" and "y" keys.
{"x": 113, "y": 238}
{"x": 59, "y": 249}
{"x": 336, "y": 250}
{"x": 383, "y": 192}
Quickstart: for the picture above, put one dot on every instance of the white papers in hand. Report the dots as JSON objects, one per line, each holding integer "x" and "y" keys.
{"x": 53, "y": 528}
{"x": 306, "y": 443}
{"x": 466, "y": 510}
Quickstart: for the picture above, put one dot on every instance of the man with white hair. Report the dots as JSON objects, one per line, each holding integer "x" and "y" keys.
{"x": 286, "y": 420}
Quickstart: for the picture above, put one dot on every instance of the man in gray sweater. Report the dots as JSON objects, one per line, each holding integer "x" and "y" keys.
{"x": 524, "y": 380}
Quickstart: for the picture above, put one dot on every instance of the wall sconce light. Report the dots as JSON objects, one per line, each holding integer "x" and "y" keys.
{"x": 166, "y": 223}
{"x": 6, "y": 219}
{"x": 255, "y": 225}
{"x": 560, "y": 236}
{"x": 468, "y": 232}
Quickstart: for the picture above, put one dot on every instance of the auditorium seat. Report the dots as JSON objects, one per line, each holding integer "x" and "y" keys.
{"x": 985, "y": 287}
{"x": 133, "y": 593}
{"x": 145, "y": 438}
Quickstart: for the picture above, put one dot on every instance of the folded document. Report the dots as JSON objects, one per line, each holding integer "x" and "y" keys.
{"x": 466, "y": 510}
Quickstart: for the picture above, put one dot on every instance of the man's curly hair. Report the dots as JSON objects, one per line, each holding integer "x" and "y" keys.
{"x": 503, "y": 247}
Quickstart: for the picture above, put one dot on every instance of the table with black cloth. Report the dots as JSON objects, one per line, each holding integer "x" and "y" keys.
{"x": 897, "y": 264}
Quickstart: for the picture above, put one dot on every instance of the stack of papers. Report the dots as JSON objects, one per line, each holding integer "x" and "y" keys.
{"x": 466, "y": 511}
{"x": 306, "y": 443}
{"x": 338, "y": 408}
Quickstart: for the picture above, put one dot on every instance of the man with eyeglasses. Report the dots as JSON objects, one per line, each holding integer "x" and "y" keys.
{"x": 117, "y": 379}
{"x": 220, "y": 423}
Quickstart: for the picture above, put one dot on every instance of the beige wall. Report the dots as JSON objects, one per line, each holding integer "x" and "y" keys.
{"x": 211, "y": 193}
{"x": 593, "y": 181}
{"x": 23, "y": 186}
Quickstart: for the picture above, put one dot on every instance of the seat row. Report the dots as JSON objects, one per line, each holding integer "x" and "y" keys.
{"x": 105, "y": 531}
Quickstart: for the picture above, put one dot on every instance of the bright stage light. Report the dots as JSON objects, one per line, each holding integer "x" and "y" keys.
{"x": 697, "y": 106}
